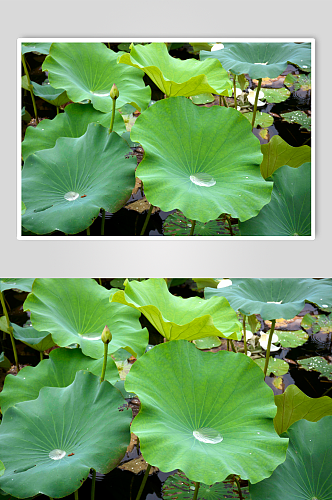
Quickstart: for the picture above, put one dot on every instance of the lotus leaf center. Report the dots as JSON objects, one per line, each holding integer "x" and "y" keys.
{"x": 272, "y": 302}
{"x": 262, "y": 64}
{"x": 202, "y": 179}
{"x": 208, "y": 435}
{"x": 57, "y": 454}
{"x": 101, "y": 94}
{"x": 71, "y": 196}
{"x": 90, "y": 336}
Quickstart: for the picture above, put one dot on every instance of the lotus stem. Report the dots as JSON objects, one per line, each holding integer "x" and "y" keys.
{"x": 244, "y": 334}
{"x": 147, "y": 218}
{"x": 114, "y": 93}
{"x": 10, "y": 330}
{"x": 93, "y": 484}
{"x": 232, "y": 345}
{"x": 88, "y": 231}
{"x": 238, "y": 487}
{"x": 146, "y": 475}
{"x": 256, "y": 100}
{"x": 76, "y": 495}
{"x": 100, "y": 282}
{"x": 229, "y": 224}
{"x": 103, "y": 371}
{"x": 102, "y": 231}
{"x": 269, "y": 347}
{"x": 227, "y": 344}
{"x": 224, "y": 101}
{"x": 193, "y": 224}
{"x": 220, "y": 101}
{"x": 41, "y": 355}
{"x": 234, "y": 83}
{"x": 113, "y": 115}
{"x": 30, "y": 87}
{"x": 57, "y": 110}
{"x": 197, "y": 485}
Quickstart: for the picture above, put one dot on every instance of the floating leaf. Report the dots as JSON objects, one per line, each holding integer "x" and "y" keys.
{"x": 298, "y": 117}
{"x": 292, "y": 338}
{"x": 57, "y": 371}
{"x": 261, "y": 60}
{"x": 89, "y": 70}
{"x": 75, "y": 311}
{"x": 317, "y": 364}
{"x": 41, "y": 47}
{"x": 278, "y": 383}
{"x": 182, "y": 425}
{"x": 306, "y": 472}
{"x": 65, "y": 187}
{"x": 202, "y": 161}
{"x": 273, "y": 298}
{"x": 175, "y": 77}
{"x": 294, "y": 405}
{"x": 276, "y": 95}
{"x": 289, "y": 211}
{"x": 278, "y": 153}
{"x": 320, "y": 323}
{"x": 57, "y": 97}
{"x": 49, "y": 445}
{"x": 207, "y": 342}
{"x": 175, "y": 317}
{"x": 261, "y": 119}
{"x": 298, "y": 82}
{"x": 308, "y": 321}
{"x": 31, "y": 337}
{"x": 276, "y": 366}
{"x": 176, "y": 224}
{"x": 23, "y": 284}
{"x": 202, "y": 98}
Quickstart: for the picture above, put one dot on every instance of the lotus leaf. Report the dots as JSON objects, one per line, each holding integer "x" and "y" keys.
{"x": 2, "y": 468}
{"x": 175, "y": 317}
{"x": 176, "y": 224}
{"x": 306, "y": 473}
{"x": 261, "y": 119}
{"x": 317, "y": 364}
{"x": 183, "y": 425}
{"x": 298, "y": 117}
{"x": 202, "y": 161}
{"x": 277, "y": 153}
{"x": 89, "y": 70}
{"x": 37, "y": 340}
{"x": 49, "y": 445}
{"x": 276, "y": 95}
{"x": 57, "y": 371}
{"x": 57, "y": 97}
{"x": 320, "y": 323}
{"x": 4, "y": 324}
{"x": 261, "y": 59}
{"x": 292, "y": 338}
{"x": 276, "y": 366}
{"x": 65, "y": 187}
{"x": 75, "y": 311}
{"x": 293, "y": 405}
{"x": 4, "y": 362}
{"x": 298, "y": 82}
{"x": 23, "y": 284}
{"x": 72, "y": 123}
{"x": 207, "y": 342}
{"x": 42, "y": 48}
{"x": 274, "y": 298}
{"x": 175, "y": 77}
{"x": 289, "y": 211}
{"x": 202, "y": 98}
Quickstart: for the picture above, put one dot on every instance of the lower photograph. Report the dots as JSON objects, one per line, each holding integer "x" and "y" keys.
{"x": 166, "y": 388}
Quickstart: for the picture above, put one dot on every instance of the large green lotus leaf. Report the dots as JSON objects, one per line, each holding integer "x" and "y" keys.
{"x": 41, "y": 47}
{"x": 273, "y": 298}
{"x": 175, "y": 317}
{"x": 49, "y": 445}
{"x": 278, "y": 153}
{"x": 72, "y": 123}
{"x": 292, "y": 338}
{"x": 202, "y": 161}
{"x": 306, "y": 474}
{"x": 89, "y": 70}
{"x": 293, "y": 405}
{"x": 75, "y": 311}
{"x": 289, "y": 211}
{"x": 317, "y": 364}
{"x": 261, "y": 59}
{"x": 57, "y": 97}
{"x": 183, "y": 425}
{"x": 176, "y": 77}
{"x": 57, "y": 371}
{"x": 23, "y": 284}
{"x": 37, "y": 340}
{"x": 65, "y": 187}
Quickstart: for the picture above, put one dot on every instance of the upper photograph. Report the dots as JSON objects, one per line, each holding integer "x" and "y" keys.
{"x": 146, "y": 139}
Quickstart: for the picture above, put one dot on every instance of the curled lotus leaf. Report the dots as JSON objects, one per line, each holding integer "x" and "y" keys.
{"x": 274, "y": 298}
{"x": 261, "y": 59}
{"x": 23, "y": 284}
{"x": 175, "y": 77}
{"x": 289, "y": 211}
{"x": 41, "y": 47}
{"x": 57, "y": 97}
{"x": 89, "y": 70}
{"x": 76, "y": 310}
{"x": 37, "y": 340}
{"x": 49, "y": 445}
{"x": 65, "y": 187}
{"x": 278, "y": 153}
{"x": 175, "y": 317}
{"x": 306, "y": 472}
{"x": 73, "y": 122}
{"x": 202, "y": 161}
{"x": 183, "y": 425}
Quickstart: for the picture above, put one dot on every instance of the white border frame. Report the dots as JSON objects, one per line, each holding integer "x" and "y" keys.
{"x": 168, "y": 238}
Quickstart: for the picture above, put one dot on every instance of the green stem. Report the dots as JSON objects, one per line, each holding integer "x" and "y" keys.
{"x": 220, "y": 101}
{"x": 238, "y": 487}
{"x": 76, "y": 495}
{"x": 10, "y": 330}
{"x": 233, "y": 346}
{"x": 229, "y": 225}
{"x": 244, "y": 334}
{"x": 193, "y": 224}
{"x": 50, "y": 498}
{"x": 224, "y": 101}
{"x": 102, "y": 231}
{"x": 146, "y": 475}
{"x": 234, "y": 91}
{"x": 57, "y": 110}
{"x": 113, "y": 115}
{"x": 30, "y": 87}
{"x": 227, "y": 344}
{"x": 197, "y": 485}
{"x": 269, "y": 347}
{"x": 256, "y": 100}
{"x": 147, "y": 218}
{"x": 104, "y": 363}
{"x": 88, "y": 231}
{"x": 41, "y": 355}
{"x": 100, "y": 282}
{"x": 93, "y": 484}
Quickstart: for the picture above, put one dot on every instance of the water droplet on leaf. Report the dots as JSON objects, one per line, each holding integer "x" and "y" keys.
{"x": 202, "y": 179}
{"x": 208, "y": 435}
{"x": 71, "y": 196}
{"x": 57, "y": 454}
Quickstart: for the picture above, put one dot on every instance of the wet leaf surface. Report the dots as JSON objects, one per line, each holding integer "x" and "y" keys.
{"x": 318, "y": 364}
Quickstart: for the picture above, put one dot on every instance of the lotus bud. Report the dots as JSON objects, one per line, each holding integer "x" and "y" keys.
{"x": 114, "y": 92}
{"x": 106, "y": 336}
